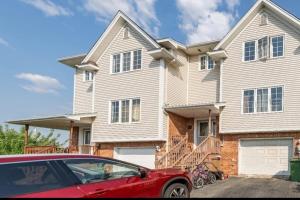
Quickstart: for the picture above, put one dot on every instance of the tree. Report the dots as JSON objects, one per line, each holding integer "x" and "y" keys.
{"x": 12, "y": 141}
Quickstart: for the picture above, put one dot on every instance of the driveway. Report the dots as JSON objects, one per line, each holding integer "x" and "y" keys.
{"x": 249, "y": 188}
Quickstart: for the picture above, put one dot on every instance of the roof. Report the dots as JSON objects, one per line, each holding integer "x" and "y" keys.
{"x": 57, "y": 121}
{"x": 251, "y": 14}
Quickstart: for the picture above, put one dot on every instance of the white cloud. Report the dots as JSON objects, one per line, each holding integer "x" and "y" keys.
{"x": 141, "y": 11}
{"x": 40, "y": 84}
{"x": 48, "y": 7}
{"x": 202, "y": 21}
{"x": 4, "y": 42}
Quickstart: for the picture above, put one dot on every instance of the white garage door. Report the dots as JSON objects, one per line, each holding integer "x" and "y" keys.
{"x": 265, "y": 157}
{"x": 141, "y": 156}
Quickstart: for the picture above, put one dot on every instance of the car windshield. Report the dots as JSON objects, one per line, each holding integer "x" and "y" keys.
{"x": 95, "y": 170}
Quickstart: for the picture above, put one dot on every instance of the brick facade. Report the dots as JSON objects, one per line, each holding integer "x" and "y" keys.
{"x": 230, "y": 146}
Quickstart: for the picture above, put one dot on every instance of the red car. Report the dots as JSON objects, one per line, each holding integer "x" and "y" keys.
{"x": 78, "y": 176}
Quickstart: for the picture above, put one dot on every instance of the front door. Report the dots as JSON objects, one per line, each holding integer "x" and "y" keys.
{"x": 202, "y": 131}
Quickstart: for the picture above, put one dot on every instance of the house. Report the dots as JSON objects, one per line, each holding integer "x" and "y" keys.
{"x": 160, "y": 103}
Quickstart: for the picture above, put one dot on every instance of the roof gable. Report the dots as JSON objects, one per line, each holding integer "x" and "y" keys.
{"x": 112, "y": 30}
{"x": 251, "y": 14}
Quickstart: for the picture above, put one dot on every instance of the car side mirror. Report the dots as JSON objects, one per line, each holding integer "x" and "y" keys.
{"x": 143, "y": 173}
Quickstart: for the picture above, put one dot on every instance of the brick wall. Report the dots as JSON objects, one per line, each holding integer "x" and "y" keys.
{"x": 229, "y": 151}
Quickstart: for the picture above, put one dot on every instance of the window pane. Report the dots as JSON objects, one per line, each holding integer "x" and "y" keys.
{"x": 262, "y": 100}
{"x": 115, "y": 112}
{"x": 263, "y": 47}
{"x": 125, "y": 111}
{"x": 277, "y": 43}
{"x": 211, "y": 63}
{"x": 137, "y": 59}
{"x": 248, "y": 101}
{"x": 116, "y": 63}
{"x": 249, "y": 51}
{"x": 24, "y": 178}
{"x": 276, "y": 96}
{"x": 96, "y": 170}
{"x": 203, "y": 62}
{"x": 87, "y": 137}
{"x": 126, "y": 61}
{"x": 136, "y": 110}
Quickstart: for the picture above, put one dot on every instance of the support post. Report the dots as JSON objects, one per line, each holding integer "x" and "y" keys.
{"x": 209, "y": 123}
{"x": 71, "y": 134}
{"x": 26, "y": 138}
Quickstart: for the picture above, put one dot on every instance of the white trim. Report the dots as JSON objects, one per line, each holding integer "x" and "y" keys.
{"x": 221, "y": 80}
{"x": 94, "y": 91}
{"x": 162, "y": 71}
{"x": 133, "y": 139}
{"x": 253, "y": 131}
{"x": 188, "y": 81}
{"x": 74, "y": 92}
{"x": 111, "y": 25}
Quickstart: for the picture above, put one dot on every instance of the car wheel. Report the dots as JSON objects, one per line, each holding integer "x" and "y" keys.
{"x": 177, "y": 190}
{"x": 212, "y": 178}
{"x": 198, "y": 183}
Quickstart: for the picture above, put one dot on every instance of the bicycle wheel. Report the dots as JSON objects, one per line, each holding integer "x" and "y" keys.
{"x": 212, "y": 178}
{"x": 198, "y": 182}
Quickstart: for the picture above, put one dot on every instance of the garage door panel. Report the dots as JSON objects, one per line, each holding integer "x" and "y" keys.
{"x": 265, "y": 157}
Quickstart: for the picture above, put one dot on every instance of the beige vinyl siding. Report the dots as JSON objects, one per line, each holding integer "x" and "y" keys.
{"x": 177, "y": 81}
{"x": 238, "y": 76}
{"x": 143, "y": 83}
{"x": 83, "y": 94}
{"x": 203, "y": 85}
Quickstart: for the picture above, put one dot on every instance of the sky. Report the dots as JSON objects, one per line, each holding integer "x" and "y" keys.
{"x": 34, "y": 34}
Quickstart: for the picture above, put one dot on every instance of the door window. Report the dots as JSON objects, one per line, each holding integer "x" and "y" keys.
{"x": 92, "y": 170}
{"x": 87, "y": 137}
{"x": 25, "y": 178}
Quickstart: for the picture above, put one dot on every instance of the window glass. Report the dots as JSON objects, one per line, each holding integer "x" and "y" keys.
{"x": 249, "y": 51}
{"x": 115, "y": 112}
{"x": 125, "y": 111}
{"x": 262, "y": 100}
{"x": 136, "y": 110}
{"x": 203, "y": 62}
{"x": 126, "y": 61}
{"x": 89, "y": 76}
{"x": 249, "y": 101}
{"x": 276, "y": 98}
{"x": 116, "y": 63}
{"x": 25, "y": 178}
{"x": 211, "y": 63}
{"x": 277, "y": 43}
{"x": 263, "y": 47}
{"x": 87, "y": 137}
{"x": 137, "y": 59}
{"x": 92, "y": 170}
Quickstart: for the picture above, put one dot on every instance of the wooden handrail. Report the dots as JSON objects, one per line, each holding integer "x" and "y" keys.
{"x": 173, "y": 155}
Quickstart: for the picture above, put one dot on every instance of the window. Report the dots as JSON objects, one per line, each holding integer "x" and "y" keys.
{"x": 262, "y": 100}
{"x": 264, "y": 19}
{"x": 263, "y": 48}
{"x": 137, "y": 59}
{"x": 276, "y": 98}
{"x": 249, "y": 52}
{"x": 126, "y": 61}
{"x": 25, "y": 178}
{"x": 88, "y": 76}
{"x": 266, "y": 100}
{"x": 211, "y": 63}
{"x": 116, "y": 63}
{"x": 125, "y": 111}
{"x": 115, "y": 112}
{"x": 277, "y": 46}
{"x": 136, "y": 109}
{"x": 98, "y": 170}
{"x": 130, "y": 110}
{"x": 203, "y": 62}
{"x": 87, "y": 137}
{"x": 206, "y": 62}
{"x": 249, "y": 101}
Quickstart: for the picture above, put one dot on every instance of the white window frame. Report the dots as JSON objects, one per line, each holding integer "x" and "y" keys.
{"x": 83, "y": 133}
{"x": 271, "y": 46}
{"x": 206, "y": 63}
{"x": 120, "y": 111}
{"x": 255, "y": 52}
{"x": 269, "y": 100}
{"x": 122, "y": 61}
{"x": 91, "y": 76}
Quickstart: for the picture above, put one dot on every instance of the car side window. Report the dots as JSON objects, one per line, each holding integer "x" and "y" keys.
{"x": 97, "y": 170}
{"x": 26, "y": 178}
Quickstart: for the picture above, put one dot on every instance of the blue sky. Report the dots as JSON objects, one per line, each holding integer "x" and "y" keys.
{"x": 35, "y": 33}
